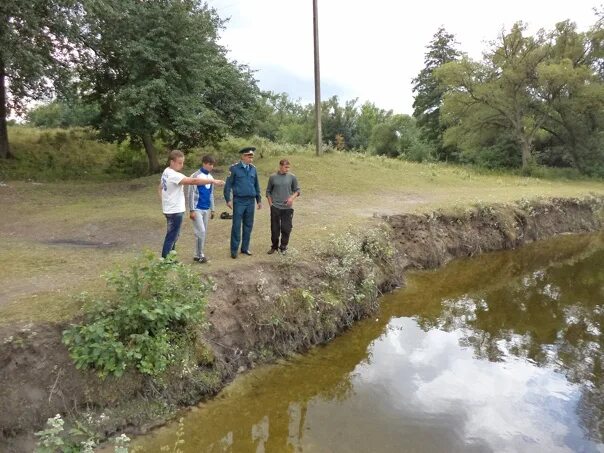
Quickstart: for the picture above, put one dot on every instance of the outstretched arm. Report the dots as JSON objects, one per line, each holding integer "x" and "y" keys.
{"x": 200, "y": 181}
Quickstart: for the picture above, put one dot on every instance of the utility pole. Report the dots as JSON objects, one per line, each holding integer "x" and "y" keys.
{"x": 315, "y": 23}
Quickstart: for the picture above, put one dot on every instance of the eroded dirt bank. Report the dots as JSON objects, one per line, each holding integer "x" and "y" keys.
{"x": 265, "y": 313}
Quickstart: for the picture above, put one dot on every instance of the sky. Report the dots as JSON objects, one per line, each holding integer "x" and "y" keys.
{"x": 371, "y": 50}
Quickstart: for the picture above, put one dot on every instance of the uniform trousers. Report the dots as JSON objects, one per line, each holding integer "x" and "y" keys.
{"x": 243, "y": 222}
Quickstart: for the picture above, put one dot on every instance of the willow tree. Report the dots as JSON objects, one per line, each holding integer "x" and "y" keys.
{"x": 156, "y": 71}
{"x": 574, "y": 91}
{"x": 497, "y": 93}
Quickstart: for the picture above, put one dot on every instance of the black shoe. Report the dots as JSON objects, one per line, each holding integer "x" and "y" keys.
{"x": 271, "y": 251}
{"x": 246, "y": 252}
{"x": 201, "y": 260}
{"x": 233, "y": 255}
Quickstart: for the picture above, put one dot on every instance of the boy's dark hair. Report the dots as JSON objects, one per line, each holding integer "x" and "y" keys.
{"x": 175, "y": 154}
{"x": 284, "y": 162}
{"x": 208, "y": 159}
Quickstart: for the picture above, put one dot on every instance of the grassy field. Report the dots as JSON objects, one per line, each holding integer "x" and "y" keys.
{"x": 58, "y": 235}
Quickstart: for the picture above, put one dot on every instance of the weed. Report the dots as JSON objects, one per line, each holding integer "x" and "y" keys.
{"x": 146, "y": 324}
{"x": 53, "y": 438}
{"x": 121, "y": 443}
{"x": 180, "y": 434}
{"x": 287, "y": 261}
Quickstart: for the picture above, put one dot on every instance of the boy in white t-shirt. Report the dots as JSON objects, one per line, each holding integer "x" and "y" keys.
{"x": 173, "y": 196}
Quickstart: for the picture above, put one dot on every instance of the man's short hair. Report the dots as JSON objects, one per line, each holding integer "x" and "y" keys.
{"x": 284, "y": 162}
{"x": 175, "y": 154}
{"x": 208, "y": 159}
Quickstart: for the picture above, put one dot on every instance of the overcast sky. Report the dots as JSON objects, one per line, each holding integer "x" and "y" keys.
{"x": 371, "y": 49}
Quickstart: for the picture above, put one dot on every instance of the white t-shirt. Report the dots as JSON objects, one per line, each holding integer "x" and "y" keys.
{"x": 172, "y": 193}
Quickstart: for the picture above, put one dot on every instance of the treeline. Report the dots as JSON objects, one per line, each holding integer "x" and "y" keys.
{"x": 532, "y": 99}
{"x": 276, "y": 117}
{"x": 152, "y": 73}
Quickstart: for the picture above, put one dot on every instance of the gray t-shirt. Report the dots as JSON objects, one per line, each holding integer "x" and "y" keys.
{"x": 280, "y": 187}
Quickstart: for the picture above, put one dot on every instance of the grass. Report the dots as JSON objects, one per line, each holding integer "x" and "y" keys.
{"x": 56, "y": 154}
{"x": 120, "y": 218}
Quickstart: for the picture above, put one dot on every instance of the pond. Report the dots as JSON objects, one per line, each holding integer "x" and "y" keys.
{"x": 501, "y": 352}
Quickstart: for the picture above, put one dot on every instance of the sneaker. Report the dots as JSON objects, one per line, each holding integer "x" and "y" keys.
{"x": 196, "y": 258}
{"x": 246, "y": 252}
{"x": 202, "y": 260}
{"x": 283, "y": 251}
{"x": 271, "y": 251}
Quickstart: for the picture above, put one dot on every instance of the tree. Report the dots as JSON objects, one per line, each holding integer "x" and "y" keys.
{"x": 63, "y": 113}
{"x": 369, "y": 116}
{"x": 499, "y": 94}
{"x": 399, "y": 136}
{"x": 429, "y": 92}
{"x": 35, "y": 51}
{"x": 274, "y": 112}
{"x": 339, "y": 120}
{"x": 571, "y": 84}
{"x": 156, "y": 71}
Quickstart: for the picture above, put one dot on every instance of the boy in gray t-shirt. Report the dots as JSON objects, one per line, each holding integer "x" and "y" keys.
{"x": 281, "y": 191}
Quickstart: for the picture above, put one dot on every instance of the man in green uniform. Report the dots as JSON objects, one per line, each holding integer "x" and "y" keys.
{"x": 281, "y": 191}
{"x": 243, "y": 183}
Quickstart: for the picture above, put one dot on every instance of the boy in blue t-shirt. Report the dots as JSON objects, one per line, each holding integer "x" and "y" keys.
{"x": 201, "y": 206}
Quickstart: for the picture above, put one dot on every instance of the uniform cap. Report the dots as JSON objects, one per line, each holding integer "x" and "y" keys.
{"x": 248, "y": 150}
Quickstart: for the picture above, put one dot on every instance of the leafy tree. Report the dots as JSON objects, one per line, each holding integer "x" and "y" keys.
{"x": 575, "y": 95}
{"x": 399, "y": 136}
{"x": 63, "y": 113}
{"x": 384, "y": 140}
{"x": 157, "y": 72}
{"x": 279, "y": 118}
{"x": 429, "y": 92}
{"x": 369, "y": 116}
{"x": 34, "y": 53}
{"x": 347, "y": 126}
{"x": 299, "y": 132}
{"x": 339, "y": 120}
{"x": 502, "y": 93}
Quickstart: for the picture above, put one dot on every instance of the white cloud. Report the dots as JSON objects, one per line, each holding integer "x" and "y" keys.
{"x": 371, "y": 50}
{"x": 511, "y": 405}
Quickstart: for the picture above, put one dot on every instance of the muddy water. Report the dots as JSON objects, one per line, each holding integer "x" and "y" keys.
{"x": 503, "y": 352}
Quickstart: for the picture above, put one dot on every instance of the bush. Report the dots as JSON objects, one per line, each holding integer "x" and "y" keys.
{"x": 129, "y": 160}
{"x": 505, "y": 153}
{"x": 419, "y": 151}
{"x": 148, "y": 323}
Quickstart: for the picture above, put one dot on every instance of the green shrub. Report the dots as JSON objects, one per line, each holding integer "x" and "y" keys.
{"x": 147, "y": 324}
{"x": 418, "y": 151}
{"x": 129, "y": 160}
